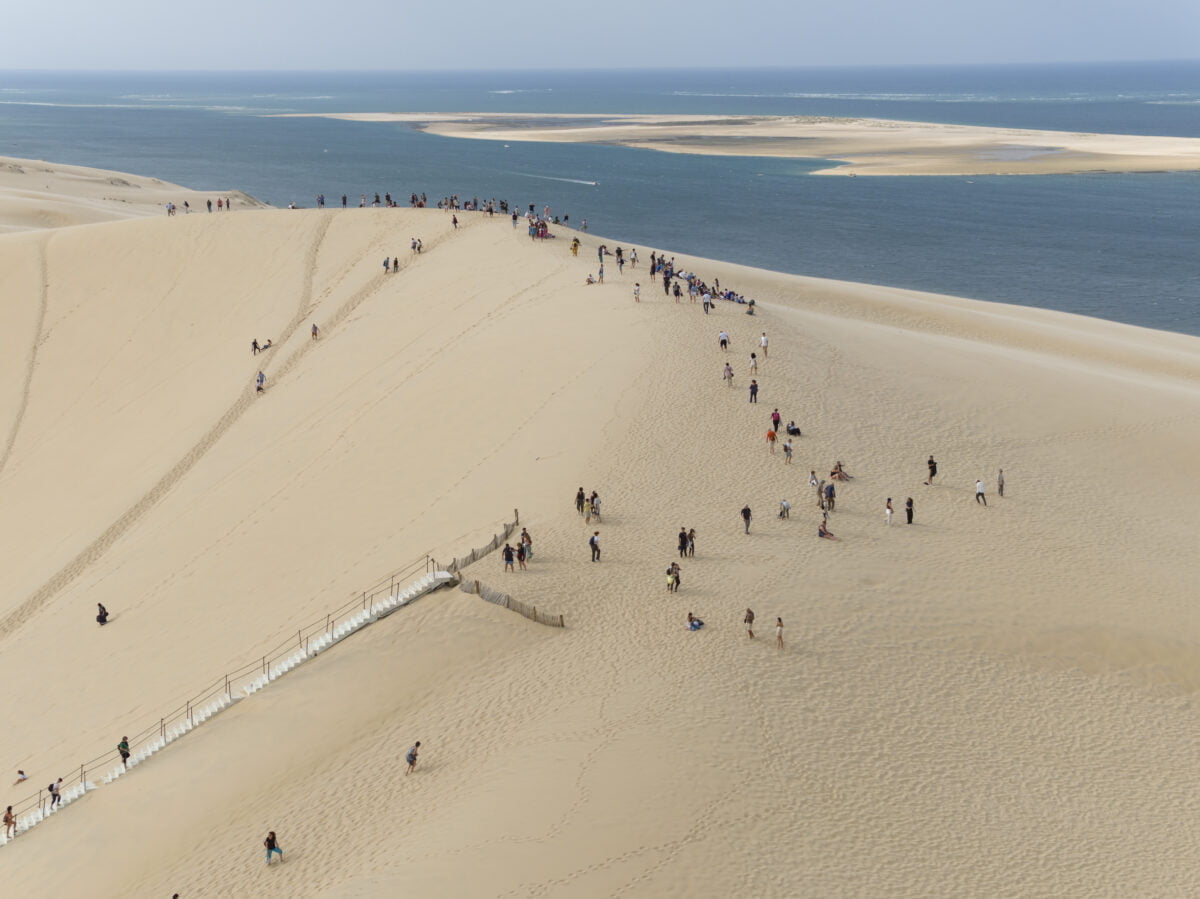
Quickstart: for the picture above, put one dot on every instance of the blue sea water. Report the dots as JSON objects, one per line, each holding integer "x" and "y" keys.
{"x": 1121, "y": 247}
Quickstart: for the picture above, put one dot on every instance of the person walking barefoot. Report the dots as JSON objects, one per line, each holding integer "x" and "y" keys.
{"x": 779, "y": 633}
{"x": 908, "y": 509}
{"x": 272, "y": 846}
{"x": 411, "y": 757}
{"x": 748, "y": 620}
{"x": 932, "y": 471}
{"x": 888, "y": 511}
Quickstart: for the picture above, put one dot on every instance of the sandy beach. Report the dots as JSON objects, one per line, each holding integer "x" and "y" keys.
{"x": 861, "y": 146}
{"x": 992, "y": 701}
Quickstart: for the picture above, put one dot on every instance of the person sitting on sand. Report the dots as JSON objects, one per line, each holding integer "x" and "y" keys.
{"x": 694, "y": 623}
{"x": 823, "y": 531}
{"x": 590, "y": 279}
{"x": 102, "y": 615}
{"x": 792, "y": 430}
{"x": 837, "y": 473}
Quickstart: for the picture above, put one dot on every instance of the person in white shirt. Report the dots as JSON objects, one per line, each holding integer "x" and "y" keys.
{"x": 888, "y": 510}
{"x": 979, "y": 497}
{"x": 762, "y": 342}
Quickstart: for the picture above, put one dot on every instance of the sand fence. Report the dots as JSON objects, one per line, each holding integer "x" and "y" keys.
{"x": 514, "y": 605}
{"x": 398, "y": 589}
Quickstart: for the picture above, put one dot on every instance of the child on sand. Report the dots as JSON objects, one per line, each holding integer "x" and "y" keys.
{"x": 272, "y": 846}
{"x": 411, "y": 757}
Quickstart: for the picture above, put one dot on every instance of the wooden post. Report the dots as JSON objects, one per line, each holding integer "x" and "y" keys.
{"x": 162, "y": 725}
{"x": 560, "y": 621}
{"x": 228, "y": 692}
{"x": 189, "y": 711}
{"x": 299, "y": 639}
{"x": 82, "y": 780}
{"x": 326, "y": 624}
{"x": 477, "y": 593}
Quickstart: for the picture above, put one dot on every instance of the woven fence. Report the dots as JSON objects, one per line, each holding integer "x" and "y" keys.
{"x": 513, "y": 605}
{"x": 498, "y": 540}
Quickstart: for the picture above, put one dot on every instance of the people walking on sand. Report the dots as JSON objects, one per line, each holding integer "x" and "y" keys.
{"x": 600, "y": 274}
{"x": 887, "y": 511}
{"x": 723, "y": 341}
{"x": 762, "y": 342}
{"x": 316, "y": 332}
{"x": 779, "y": 633}
{"x": 254, "y": 347}
{"x": 123, "y": 749}
{"x": 683, "y": 542}
{"x": 637, "y": 293}
{"x": 593, "y": 507}
{"x": 727, "y": 375}
{"x": 527, "y": 542}
{"x": 785, "y": 509}
{"x": 594, "y": 543}
{"x": 454, "y": 221}
{"x": 1000, "y": 483}
{"x": 753, "y": 363}
{"x": 932, "y": 471}
{"x": 979, "y": 497}
{"x": 748, "y": 620}
{"x": 908, "y": 509}
{"x": 272, "y": 845}
{"x": 101, "y": 614}
{"x": 396, "y": 259}
{"x": 746, "y": 517}
{"x": 260, "y": 382}
{"x": 787, "y": 452}
{"x": 675, "y": 573}
{"x": 830, "y": 496}
{"x": 753, "y": 391}
{"x": 691, "y": 542}
{"x": 10, "y": 820}
{"x": 55, "y": 790}
{"x": 387, "y": 263}
{"x": 509, "y": 555}
{"x": 812, "y": 481}
{"x": 771, "y": 438}
{"x": 521, "y": 555}
{"x": 776, "y": 418}
{"x": 580, "y": 499}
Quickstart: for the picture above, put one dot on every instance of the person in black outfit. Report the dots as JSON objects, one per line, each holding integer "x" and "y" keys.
{"x": 683, "y": 542}
{"x": 908, "y": 509}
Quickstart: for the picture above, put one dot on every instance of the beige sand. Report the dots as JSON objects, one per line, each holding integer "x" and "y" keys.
{"x": 864, "y": 146}
{"x": 36, "y": 194}
{"x": 991, "y": 702}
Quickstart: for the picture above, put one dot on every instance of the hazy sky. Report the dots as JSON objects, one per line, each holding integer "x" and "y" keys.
{"x": 521, "y": 34}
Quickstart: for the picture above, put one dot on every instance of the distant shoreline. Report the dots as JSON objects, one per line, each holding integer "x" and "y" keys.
{"x": 861, "y": 146}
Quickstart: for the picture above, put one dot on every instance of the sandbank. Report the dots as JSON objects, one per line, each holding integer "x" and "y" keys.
{"x": 991, "y": 701}
{"x": 861, "y": 146}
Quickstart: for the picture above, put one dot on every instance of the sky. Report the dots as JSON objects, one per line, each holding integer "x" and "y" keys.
{"x": 521, "y": 34}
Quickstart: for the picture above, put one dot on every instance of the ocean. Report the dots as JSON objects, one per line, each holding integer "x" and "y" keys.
{"x": 1121, "y": 247}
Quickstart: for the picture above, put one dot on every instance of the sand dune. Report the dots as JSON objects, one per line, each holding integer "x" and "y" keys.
{"x": 862, "y": 146}
{"x": 35, "y": 194}
{"x": 993, "y": 701}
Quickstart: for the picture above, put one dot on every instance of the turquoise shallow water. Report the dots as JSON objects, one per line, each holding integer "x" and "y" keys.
{"x": 1114, "y": 246}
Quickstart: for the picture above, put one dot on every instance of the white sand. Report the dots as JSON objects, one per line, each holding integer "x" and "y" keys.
{"x": 991, "y": 702}
{"x": 36, "y": 194}
{"x": 863, "y": 146}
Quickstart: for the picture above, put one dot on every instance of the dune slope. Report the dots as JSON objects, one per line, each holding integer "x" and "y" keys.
{"x": 990, "y": 701}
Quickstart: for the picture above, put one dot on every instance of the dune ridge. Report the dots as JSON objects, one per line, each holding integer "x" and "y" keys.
{"x": 995, "y": 700}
